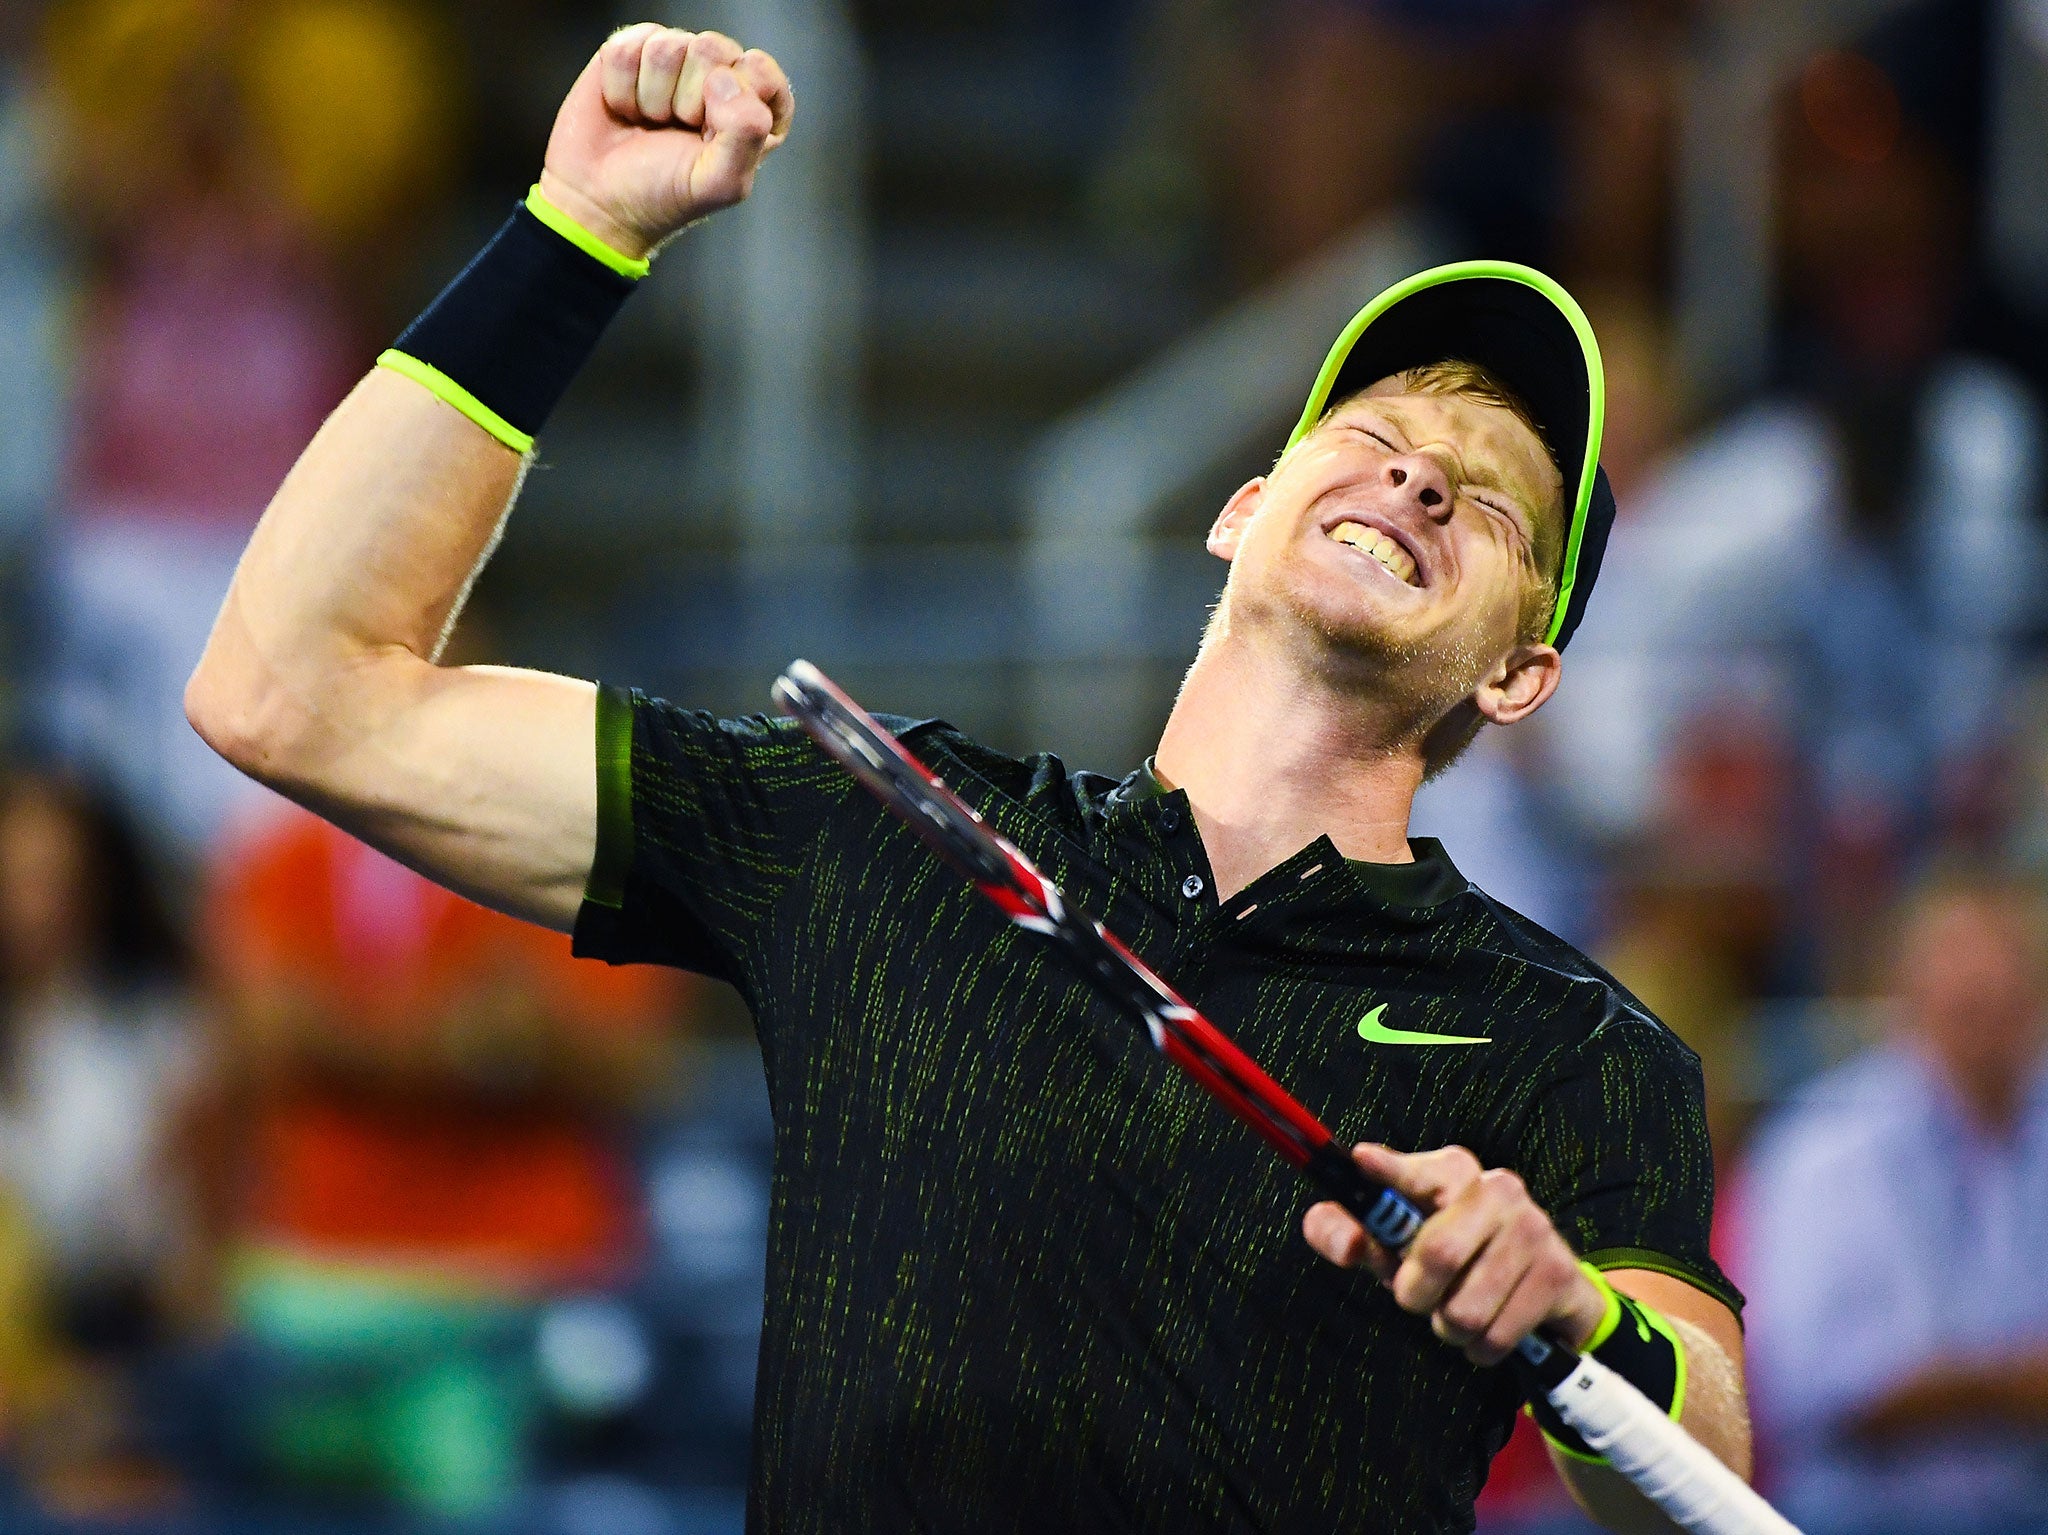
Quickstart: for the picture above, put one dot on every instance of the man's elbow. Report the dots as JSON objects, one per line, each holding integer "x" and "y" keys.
{"x": 259, "y": 725}
{"x": 236, "y": 720}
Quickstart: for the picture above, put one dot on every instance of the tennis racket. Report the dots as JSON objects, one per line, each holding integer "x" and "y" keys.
{"x": 1635, "y": 1436}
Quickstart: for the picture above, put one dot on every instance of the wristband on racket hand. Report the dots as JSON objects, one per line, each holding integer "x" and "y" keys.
{"x": 1637, "y": 1344}
{"x": 503, "y": 341}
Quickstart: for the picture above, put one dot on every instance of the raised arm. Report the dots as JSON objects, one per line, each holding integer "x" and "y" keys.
{"x": 320, "y": 678}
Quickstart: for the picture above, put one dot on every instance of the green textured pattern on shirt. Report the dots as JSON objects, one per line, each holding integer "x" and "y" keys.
{"x": 1022, "y": 1274}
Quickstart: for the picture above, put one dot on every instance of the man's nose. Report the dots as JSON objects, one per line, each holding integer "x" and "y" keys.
{"x": 1423, "y": 478}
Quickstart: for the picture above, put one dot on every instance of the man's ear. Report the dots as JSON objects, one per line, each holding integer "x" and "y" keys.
{"x": 1518, "y": 686}
{"x": 1228, "y": 530}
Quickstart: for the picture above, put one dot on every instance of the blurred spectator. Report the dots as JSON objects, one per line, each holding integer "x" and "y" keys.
{"x": 1894, "y": 1235}
{"x": 1497, "y": 813}
{"x": 1618, "y": 147}
{"x": 35, "y": 1368}
{"x": 34, "y": 290}
{"x": 1278, "y": 161}
{"x": 431, "y": 1099}
{"x": 96, "y": 1048}
{"x": 1854, "y": 557}
{"x": 95, "y": 1052}
{"x": 1325, "y": 153}
{"x": 1934, "y": 550}
{"x": 1718, "y": 546}
{"x": 224, "y": 168}
{"x": 1698, "y": 925}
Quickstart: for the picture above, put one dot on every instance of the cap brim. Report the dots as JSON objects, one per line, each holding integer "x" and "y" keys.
{"x": 1521, "y": 326}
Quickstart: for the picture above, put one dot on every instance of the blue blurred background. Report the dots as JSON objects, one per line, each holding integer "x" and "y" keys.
{"x": 330, "y": 1203}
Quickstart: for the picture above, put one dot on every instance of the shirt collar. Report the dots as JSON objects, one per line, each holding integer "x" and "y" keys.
{"x": 1430, "y": 880}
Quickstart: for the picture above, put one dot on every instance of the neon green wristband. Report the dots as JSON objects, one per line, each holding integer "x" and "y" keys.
{"x": 1638, "y": 1344}
{"x": 440, "y": 385}
{"x": 1611, "y": 1318}
{"x": 540, "y": 207}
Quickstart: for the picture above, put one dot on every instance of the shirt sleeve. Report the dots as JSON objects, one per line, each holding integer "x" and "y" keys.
{"x": 703, "y": 823}
{"x": 1616, "y": 1150}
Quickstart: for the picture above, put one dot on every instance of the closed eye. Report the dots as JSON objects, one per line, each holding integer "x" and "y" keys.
{"x": 1514, "y": 523}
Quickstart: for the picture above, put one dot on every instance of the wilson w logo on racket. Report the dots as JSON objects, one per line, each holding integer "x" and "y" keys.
{"x": 1671, "y": 1468}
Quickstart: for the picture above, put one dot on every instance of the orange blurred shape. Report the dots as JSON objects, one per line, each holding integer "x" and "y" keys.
{"x": 439, "y": 1172}
{"x": 340, "y": 113}
{"x": 355, "y": 99}
{"x": 1850, "y": 106}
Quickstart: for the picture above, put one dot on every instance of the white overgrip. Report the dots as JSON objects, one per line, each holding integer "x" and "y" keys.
{"x": 1667, "y": 1465}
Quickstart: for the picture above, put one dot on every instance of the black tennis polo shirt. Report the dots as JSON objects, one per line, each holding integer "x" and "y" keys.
{"x": 1024, "y": 1276}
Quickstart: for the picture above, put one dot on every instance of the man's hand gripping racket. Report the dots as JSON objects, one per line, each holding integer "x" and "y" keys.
{"x": 1672, "y": 1469}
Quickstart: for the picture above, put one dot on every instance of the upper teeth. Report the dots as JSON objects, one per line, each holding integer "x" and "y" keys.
{"x": 1375, "y": 543}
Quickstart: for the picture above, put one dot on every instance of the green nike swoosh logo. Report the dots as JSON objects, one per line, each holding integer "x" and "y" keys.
{"x": 1373, "y": 1032}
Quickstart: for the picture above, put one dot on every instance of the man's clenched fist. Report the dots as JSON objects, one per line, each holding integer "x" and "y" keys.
{"x": 1487, "y": 1269}
{"x": 662, "y": 128}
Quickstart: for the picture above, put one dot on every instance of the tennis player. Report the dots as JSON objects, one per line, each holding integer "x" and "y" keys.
{"x": 1023, "y": 1276}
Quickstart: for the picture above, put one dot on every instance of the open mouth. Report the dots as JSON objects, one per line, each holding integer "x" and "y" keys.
{"x": 1383, "y": 547}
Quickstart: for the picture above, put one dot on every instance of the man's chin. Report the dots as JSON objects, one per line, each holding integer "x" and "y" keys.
{"x": 1368, "y": 633}
{"x": 1373, "y": 648}
{"x": 1346, "y": 629}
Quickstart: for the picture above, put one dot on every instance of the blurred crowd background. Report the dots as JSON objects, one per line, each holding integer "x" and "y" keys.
{"x": 330, "y": 1202}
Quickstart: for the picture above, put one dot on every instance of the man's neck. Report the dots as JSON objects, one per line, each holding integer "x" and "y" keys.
{"x": 1272, "y": 759}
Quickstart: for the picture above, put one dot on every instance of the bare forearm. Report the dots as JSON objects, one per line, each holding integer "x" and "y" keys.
{"x": 363, "y": 558}
{"x": 1715, "y": 1410}
{"x": 1715, "y": 1413}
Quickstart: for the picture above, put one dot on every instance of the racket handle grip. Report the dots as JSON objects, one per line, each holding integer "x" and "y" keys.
{"x": 1666, "y": 1464}
{"x": 1390, "y": 1219}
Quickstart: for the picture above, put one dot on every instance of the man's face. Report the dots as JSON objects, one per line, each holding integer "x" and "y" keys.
{"x": 1404, "y": 532}
{"x": 1969, "y": 973}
